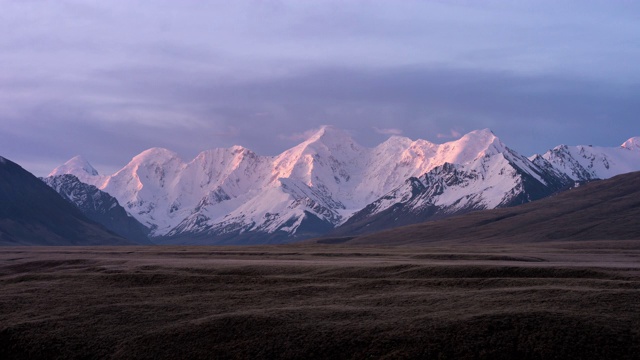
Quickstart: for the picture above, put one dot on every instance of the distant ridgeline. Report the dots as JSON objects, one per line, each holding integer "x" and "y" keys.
{"x": 330, "y": 184}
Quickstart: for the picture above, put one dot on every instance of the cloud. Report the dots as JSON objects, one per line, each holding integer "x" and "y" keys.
{"x": 260, "y": 74}
{"x": 453, "y": 134}
{"x": 299, "y": 136}
{"x": 228, "y": 131}
{"x": 189, "y": 112}
{"x": 148, "y": 117}
{"x": 389, "y": 131}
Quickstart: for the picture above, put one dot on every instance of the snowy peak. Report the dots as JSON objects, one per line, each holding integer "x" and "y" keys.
{"x": 586, "y": 162}
{"x": 157, "y": 165}
{"x": 394, "y": 143}
{"x": 477, "y": 144}
{"x": 329, "y": 178}
{"x": 494, "y": 177}
{"x": 325, "y": 157}
{"x": 221, "y": 155}
{"x": 77, "y": 165}
{"x": 472, "y": 146}
{"x": 156, "y": 155}
{"x": 329, "y": 140}
{"x": 632, "y": 144}
{"x": 328, "y": 132}
{"x": 235, "y": 170}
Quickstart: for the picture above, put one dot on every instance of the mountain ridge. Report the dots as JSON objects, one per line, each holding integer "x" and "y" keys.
{"x": 327, "y": 179}
{"x": 99, "y": 206}
{"x": 31, "y": 213}
{"x": 600, "y": 210}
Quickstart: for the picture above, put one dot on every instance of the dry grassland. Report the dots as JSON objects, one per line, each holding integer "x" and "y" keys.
{"x": 563, "y": 300}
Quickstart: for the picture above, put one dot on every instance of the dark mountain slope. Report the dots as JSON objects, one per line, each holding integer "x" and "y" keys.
{"x": 100, "y": 207}
{"x": 31, "y": 213}
{"x": 601, "y": 210}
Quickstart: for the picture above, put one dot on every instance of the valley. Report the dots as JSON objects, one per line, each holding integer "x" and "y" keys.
{"x": 570, "y": 300}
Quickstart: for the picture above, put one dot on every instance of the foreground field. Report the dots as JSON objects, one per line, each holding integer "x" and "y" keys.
{"x": 565, "y": 300}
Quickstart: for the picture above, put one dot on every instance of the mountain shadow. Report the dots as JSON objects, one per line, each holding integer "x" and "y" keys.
{"x": 31, "y": 213}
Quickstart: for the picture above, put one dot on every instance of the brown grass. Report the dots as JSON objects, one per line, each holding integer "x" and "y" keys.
{"x": 567, "y": 300}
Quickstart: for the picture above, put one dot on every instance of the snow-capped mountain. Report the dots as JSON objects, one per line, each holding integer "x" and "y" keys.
{"x": 584, "y": 163}
{"x": 233, "y": 194}
{"x": 98, "y": 206}
{"x": 79, "y": 167}
{"x": 490, "y": 176}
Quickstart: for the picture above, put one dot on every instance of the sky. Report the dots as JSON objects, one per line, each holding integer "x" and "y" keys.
{"x": 109, "y": 79}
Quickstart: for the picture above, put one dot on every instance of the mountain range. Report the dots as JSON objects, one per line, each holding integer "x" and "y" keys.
{"x": 331, "y": 184}
{"x": 31, "y": 213}
{"x": 600, "y": 210}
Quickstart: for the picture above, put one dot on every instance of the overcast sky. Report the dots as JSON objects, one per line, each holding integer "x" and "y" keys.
{"x": 109, "y": 79}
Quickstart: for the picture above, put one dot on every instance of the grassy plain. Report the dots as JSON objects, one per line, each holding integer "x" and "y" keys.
{"x": 546, "y": 300}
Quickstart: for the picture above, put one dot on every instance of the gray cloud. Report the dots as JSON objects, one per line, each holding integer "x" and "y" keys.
{"x": 189, "y": 113}
{"x": 108, "y": 80}
{"x": 388, "y": 131}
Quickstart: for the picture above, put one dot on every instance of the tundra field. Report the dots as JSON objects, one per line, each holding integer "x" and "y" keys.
{"x": 543, "y": 300}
